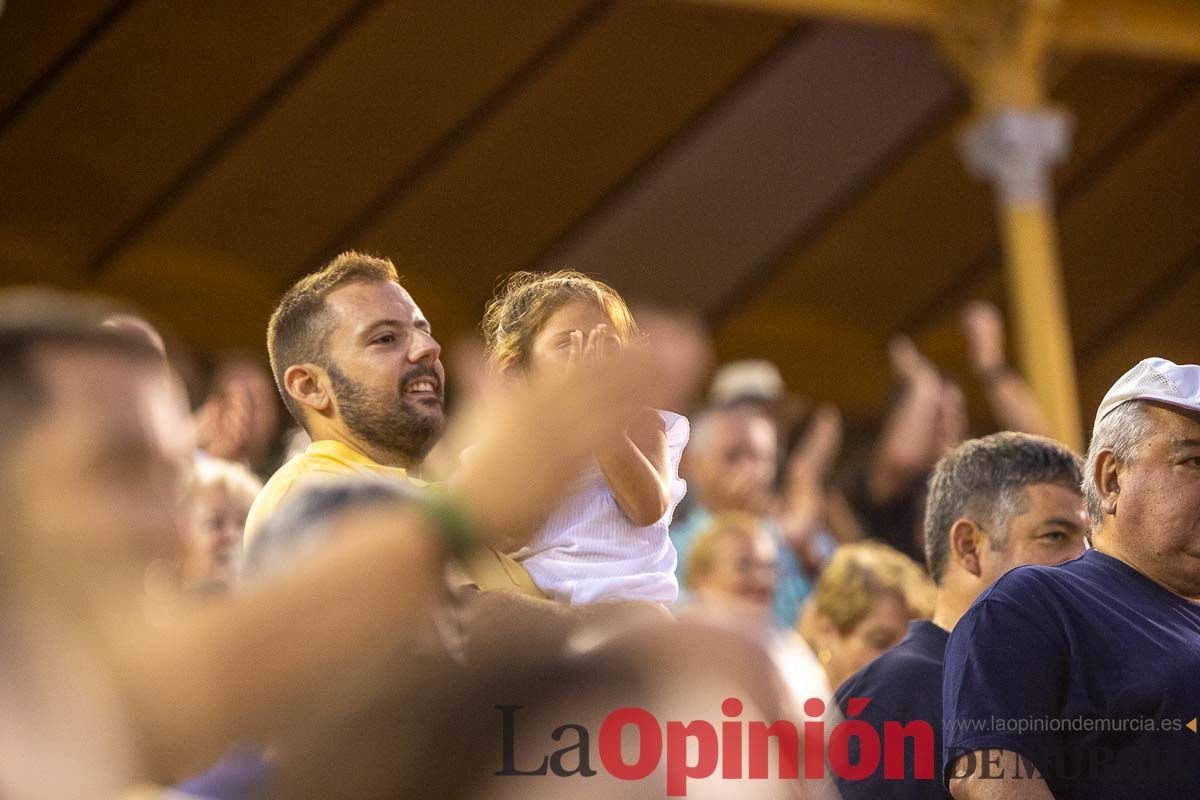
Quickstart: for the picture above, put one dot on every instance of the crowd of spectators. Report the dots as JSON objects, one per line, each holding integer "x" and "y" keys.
{"x": 199, "y": 600}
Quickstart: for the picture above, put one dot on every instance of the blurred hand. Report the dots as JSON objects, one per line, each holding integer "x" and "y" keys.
{"x": 907, "y": 442}
{"x": 474, "y": 390}
{"x": 909, "y": 364}
{"x": 984, "y": 327}
{"x": 224, "y": 423}
{"x": 1013, "y": 402}
{"x": 952, "y": 422}
{"x": 805, "y": 501}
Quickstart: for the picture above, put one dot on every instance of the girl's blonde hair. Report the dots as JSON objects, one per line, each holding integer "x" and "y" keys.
{"x": 525, "y": 301}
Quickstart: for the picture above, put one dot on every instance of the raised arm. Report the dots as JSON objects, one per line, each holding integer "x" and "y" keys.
{"x": 906, "y": 443}
{"x": 805, "y": 501}
{"x": 1012, "y": 401}
{"x": 244, "y": 669}
{"x": 636, "y": 465}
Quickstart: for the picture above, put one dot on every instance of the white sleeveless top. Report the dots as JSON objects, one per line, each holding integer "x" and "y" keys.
{"x": 588, "y": 551}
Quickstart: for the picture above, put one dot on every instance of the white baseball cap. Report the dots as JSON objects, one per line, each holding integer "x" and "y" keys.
{"x": 751, "y": 379}
{"x": 1155, "y": 379}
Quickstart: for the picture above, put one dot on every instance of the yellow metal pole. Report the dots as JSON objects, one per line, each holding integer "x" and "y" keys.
{"x": 1017, "y": 150}
{"x": 1016, "y": 141}
{"x": 1044, "y": 339}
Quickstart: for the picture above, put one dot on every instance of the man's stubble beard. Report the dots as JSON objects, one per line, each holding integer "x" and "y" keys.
{"x": 391, "y": 425}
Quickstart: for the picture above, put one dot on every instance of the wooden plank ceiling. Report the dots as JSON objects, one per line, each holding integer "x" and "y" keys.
{"x": 795, "y": 180}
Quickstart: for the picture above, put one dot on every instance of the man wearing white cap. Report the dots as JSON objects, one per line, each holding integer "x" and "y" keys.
{"x": 1083, "y": 680}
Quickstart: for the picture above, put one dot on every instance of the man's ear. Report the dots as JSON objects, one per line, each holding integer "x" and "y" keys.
{"x": 308, "y": 386}
{"x": 966, "y": 545}
{"x": 1107, "y": 478}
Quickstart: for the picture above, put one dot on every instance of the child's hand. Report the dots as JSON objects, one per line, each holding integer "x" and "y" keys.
{"x": 601, "y": 343}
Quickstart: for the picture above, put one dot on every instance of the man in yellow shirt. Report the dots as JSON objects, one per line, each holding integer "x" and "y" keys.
{"x": 358, "y": 368}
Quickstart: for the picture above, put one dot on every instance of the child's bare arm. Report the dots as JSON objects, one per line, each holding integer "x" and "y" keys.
{"x": 637, "y": 468}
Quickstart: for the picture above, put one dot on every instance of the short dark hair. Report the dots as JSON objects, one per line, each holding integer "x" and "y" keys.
{"x": 299, "y": 329}
{"x": 985, "y": 480}
{"x": 31, "y": 318}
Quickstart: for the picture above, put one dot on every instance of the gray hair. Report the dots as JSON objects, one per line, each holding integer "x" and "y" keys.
{"x": 984, "y": 480}
{"x": 1121, "y": 432}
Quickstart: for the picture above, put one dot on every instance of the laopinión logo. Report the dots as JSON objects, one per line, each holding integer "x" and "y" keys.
{"x": 675, "y": 740}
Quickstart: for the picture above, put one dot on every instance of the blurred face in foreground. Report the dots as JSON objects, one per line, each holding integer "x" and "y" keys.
{"x": 95, "y": 479}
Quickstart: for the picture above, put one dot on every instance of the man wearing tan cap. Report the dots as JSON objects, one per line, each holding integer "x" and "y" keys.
{"x": 1083, "y": 680}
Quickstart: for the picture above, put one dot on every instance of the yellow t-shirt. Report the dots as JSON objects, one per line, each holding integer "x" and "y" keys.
{"x": 489, "y": 569}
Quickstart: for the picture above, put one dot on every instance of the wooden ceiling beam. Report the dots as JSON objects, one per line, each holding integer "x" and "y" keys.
{"x": 1167, "y": 29}
{"x": 63, "y": 62}
{"x": 224, "y": 141}
{"x": 903, "y": 13}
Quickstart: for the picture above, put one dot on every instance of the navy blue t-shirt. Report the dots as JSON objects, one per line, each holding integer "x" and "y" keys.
{"x": 903, "y": 684}
{"x": 1090, "y": 670}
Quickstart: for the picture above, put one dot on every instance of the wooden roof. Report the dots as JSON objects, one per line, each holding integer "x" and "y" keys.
{"x": 796, "y": 180}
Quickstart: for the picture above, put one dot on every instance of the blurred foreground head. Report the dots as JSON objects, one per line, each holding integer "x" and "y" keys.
{"x": 449, "y": 738}
{"x": 94, "y": 440}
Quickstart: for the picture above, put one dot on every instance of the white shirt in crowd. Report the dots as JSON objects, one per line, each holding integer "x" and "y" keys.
{"x": 588, "y": 551}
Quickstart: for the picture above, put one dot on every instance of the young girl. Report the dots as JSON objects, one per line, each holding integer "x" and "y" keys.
{"x": 608, "y": 540}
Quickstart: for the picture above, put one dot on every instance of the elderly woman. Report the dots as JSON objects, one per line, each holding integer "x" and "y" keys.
{"x": 221, "y": 494}
{"x": 862, "y": 605}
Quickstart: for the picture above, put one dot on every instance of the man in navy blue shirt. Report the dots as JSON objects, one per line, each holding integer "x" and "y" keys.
{"x": 993, "y": 503}
{"x": 1083, "y": 680}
